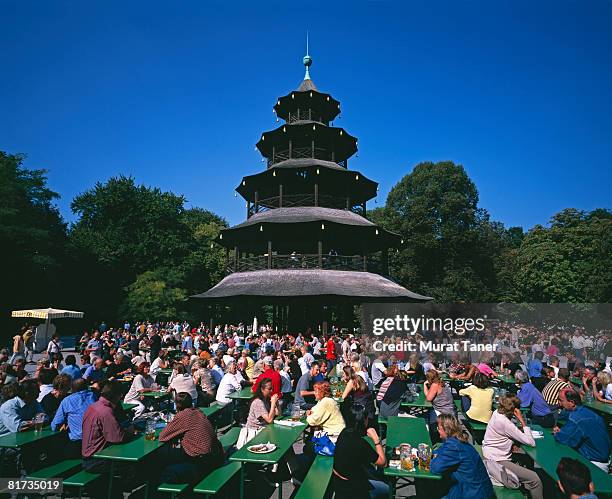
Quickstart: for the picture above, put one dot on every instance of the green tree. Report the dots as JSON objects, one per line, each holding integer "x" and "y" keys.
{"x": 451, "y": 249}
{"x": 131, "y": 240}
{"x": 156, "y": 295}
{"x": 33, "y": 237}
{"x": 568, "y": 262}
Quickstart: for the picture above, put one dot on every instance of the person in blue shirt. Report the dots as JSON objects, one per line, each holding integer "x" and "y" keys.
{"x": 95, "y": 372}
{"x": 69, "y": 416}
{"x": 575, "y": 479}
{"x": 584, "y": 430}
{"x": 17, "y": 414}
{"x": 531, "y": 398}
{"x": 458, "y": 459}
{"x": 534, "y": 366}
{"x": 71, "y": 368}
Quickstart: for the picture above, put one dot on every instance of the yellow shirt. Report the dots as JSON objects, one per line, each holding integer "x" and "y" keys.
{"x": 326, "y": 413}
{"x": 249, "y": 367}
{"x": 481, "y": 408}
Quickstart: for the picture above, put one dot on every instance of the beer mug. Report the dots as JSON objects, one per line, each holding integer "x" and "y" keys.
{"x": 39, "y": 420}
{"x": 150, "y": 429}
{"x": 424, "y": 454}
{"x": 407, "y": 464}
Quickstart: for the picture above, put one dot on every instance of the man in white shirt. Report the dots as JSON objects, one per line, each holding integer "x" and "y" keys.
{"x": 230, "y": 383}
{"x": 378, "y": 369}
{"x": 578, "y": 344}
{"x": 306, "y": 360}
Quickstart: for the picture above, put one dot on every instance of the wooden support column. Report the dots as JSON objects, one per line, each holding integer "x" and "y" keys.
{"x": 348, "y": 203}
{"x": 236, "y": 255}
{"x": 316, "y": 194}
{"x": 312, "y": 149}
{"x": 269, "y": 254}
{"x": 273, "y": 154}
{"x": 280, "y": 195}
{"x": 385, "y": 261}
{"x": 248, "y": 209}
{"x": 256, "y": 202}
{"x": 227, "y": 262}
{"x": 365, "y": 262}
{"x": 310, "y": 114}
{"x": 320, "y": 252}
{"x": 363, "y": 207}
{"x": 333, "y": 156}
{"x": 290, "y": 148}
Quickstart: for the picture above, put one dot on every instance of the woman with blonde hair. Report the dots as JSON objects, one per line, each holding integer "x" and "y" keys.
{"x": 457, "y": 458}
{"x": 325, "y": 414}
{"x": 604, "y": 379}
{"x": 439, "y": 394}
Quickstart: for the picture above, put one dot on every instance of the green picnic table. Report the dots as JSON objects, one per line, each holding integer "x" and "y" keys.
{"x": 548, "y": 452}
{"x": 157, "y": 394}
{"x": 419, "y": 401}
{"x": 507, "y": 379}
{"x": 282, "y": 436}
{"x": 22, "y": 438}
{"x": 132, "y": 451}
{"x": 127, "y": 406}
{"x": 598, "y": 406}
{"x": 576, "y": 381}
{"x": 412, "y": 431}
{"x": 211, "y": 410}
{"x": 245, "y": 394}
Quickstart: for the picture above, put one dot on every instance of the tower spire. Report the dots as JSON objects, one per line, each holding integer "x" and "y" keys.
{"x": 307, "y": 60}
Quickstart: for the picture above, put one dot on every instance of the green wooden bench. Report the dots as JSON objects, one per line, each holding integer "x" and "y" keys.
{"x": 215, "y": 481}
{"x": 81, "y": 480}
{"x": 57, "y": 470}
{"x": 317, "y": 479}
{"x": 229, "y": 438}
{"x": 227, "y": 441}
{"x": 173, "y": 488}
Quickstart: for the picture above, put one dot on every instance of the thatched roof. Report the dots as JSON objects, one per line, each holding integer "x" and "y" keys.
{"x": 300, "y": 214}
{"x": 288, "y": 283}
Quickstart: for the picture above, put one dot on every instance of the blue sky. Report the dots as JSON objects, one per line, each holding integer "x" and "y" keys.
{"x": 178, "y": 93}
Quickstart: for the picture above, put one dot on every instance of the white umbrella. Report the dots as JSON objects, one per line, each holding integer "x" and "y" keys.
{"x": 47, "y": 314}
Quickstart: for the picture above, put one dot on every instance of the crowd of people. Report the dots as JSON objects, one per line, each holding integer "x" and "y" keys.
{"x": 81, "y": 395}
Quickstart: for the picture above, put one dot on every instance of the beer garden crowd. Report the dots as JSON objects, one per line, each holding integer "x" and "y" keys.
{"x": 481, "y": 416}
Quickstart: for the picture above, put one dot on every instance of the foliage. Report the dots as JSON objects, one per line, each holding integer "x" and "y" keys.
{"x": 33, "y": 237}
{"x": 570, "y": 261}
{"x": 450, "y": 245}
{"x": 156, "y": 295}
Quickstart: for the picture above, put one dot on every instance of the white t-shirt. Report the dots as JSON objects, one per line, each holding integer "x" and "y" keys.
{"x": 155, "y": 367}
{"x": 608, "y": 392}
{"x": 229, "y": 384}
{"x": 305, "y": 361}
{"x": 577, "y": 342}
{"x": 184, "y": 383}
{"x": 138, "y": 384}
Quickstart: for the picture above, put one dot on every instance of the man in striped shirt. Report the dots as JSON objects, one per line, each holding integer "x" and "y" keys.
{"x": 554, "y": 386}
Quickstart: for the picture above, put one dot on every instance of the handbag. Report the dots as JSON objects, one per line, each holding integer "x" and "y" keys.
{"x": 246, "y": 434}
{"x": 323, "y": 445}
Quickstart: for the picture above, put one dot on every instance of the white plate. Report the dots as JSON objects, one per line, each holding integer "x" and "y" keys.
{"x": 268, "y": 448}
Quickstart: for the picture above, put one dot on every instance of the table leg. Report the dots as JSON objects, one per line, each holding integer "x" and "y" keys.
{"x": 110, "y": 479}
{"x": 280, "y": 490}
{"x": 392, "y": 488}
{"x": 241, "y": 481}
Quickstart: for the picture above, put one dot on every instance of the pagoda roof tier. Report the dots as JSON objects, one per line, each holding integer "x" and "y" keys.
{"x": 296, "y": 228}
{"x": 323, "y": 107}
{"x": 290, "y": 283}
{"x": 336, "y": 140}
{"x": 298, "y": 176}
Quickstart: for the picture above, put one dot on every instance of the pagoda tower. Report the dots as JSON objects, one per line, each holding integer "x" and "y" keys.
{"x": 306, "y": 246}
